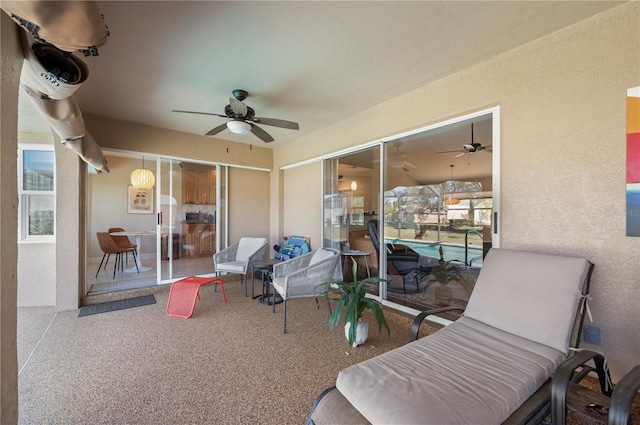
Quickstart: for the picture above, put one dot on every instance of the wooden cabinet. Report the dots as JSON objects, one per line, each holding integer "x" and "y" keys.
{"x": 198, "y": 184}
{"x": 199, "y": 239}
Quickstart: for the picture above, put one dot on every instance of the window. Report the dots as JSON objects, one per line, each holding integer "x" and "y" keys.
{"x": 36, "y": 186}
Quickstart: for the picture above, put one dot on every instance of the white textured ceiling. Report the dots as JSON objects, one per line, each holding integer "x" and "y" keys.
{"x": 315, "y": 63}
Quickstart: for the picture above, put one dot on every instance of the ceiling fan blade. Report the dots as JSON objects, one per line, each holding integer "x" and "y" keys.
{"x": 238, "y": 107}
{"x": 260, "y": 133}
{"x": 216, "y": 130}
{"x": 201, "y": 113}
{"x": 277, "y": 123}
{"x": 460, "y": 154}
{"x": 456, "y": 151}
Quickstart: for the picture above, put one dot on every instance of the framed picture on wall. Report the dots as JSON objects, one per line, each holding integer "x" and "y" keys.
{"x": 633, "y": 161}
{"x": 139, "y": 201}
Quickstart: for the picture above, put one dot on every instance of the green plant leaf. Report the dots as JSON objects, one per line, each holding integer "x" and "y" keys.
{"x": 352, "y": 301}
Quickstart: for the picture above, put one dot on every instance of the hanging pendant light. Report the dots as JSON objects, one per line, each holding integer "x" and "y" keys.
{"x": 451, "y": 200}
{"x": 141, "y": 178}
{"x": 354, "y": 184}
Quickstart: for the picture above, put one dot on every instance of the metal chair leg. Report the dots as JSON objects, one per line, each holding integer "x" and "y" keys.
{"x": 115, "y": 266}
{"x": 284, "y": 317}
{"x": 105, "y": 264}
{"x": 135, "y": 260}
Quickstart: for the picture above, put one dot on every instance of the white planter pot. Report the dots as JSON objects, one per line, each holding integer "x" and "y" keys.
{"x": 362, "y": 332}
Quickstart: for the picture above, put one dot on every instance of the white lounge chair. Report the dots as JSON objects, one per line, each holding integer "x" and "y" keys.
{"x": 484, "y": 366}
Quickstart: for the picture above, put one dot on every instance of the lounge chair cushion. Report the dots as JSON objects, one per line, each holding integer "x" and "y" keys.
{"x": 466, "y": 373}
{"x": 516, "y": 286}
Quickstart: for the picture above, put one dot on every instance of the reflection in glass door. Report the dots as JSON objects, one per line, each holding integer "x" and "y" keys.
{"x": 187, "y": 219}
{"x": 429, "y": 220}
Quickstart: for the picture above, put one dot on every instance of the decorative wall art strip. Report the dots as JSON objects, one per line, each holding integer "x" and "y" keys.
{"x": 633, "y": 161}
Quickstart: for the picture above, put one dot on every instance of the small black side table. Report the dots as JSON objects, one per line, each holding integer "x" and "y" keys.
{"x": 265, "y": 267}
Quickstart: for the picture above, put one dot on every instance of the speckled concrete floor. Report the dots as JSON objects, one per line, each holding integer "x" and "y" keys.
{"x": 227, "y": 364}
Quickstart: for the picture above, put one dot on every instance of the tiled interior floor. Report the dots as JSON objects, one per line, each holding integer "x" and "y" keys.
{"x": 105, "y": 282}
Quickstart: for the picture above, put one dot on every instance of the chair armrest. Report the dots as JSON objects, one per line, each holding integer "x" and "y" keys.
{"x": 227, "y": 254}
{"x": 622, "y": 397}
{"x": 417, "y": 322}
{"x": 292, "y": 265}
{"x": 563, "y": 376}
{"x": 308, "y": 280}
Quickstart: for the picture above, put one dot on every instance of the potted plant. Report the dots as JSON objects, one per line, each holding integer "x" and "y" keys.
{"x": 445, "y": 272}
{"x": 352, "y": 299}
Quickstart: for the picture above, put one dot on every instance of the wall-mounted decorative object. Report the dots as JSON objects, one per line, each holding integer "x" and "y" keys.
{"x": 633, "y": 161}
{"x": 139, "y": 201}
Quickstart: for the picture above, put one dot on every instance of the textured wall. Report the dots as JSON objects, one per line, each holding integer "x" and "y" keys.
{"x": 11, "y": 63}
{"x": 248, "y": 204}
{"x": 70, "y": 227}
{"x": 302, "y": 186}
{"x": 562, "y": 164}
{"x": 115, "y": 134}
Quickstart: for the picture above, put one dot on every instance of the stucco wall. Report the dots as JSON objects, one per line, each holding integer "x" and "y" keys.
{"x": 11, "y": 62}
{"x": 248, "y": 204}
{"x": 302, "y": 189}
{"x": 562, "y": 105}
{"x": 127, "y": 136}
{"x": 37, "y": 274}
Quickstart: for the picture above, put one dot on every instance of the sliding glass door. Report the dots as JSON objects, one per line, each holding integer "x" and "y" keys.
{"x": 427, "y": 231}
{"x": 191, "y": 218}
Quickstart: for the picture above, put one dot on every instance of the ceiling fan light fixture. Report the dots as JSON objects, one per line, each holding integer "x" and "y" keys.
{"x": 239, "y": 127}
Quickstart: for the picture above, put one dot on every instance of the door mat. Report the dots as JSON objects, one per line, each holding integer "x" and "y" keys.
{"x": 116, "y": 305}
{"x": 122, "y": 285}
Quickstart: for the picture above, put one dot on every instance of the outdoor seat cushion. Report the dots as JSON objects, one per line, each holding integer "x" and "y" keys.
{"x": 465, "y": 373}
{"x": 516, "y": 286}
{"x": 232, "y": 266}
{"x": 321, "y": 254}
{"x": 247, "y": 247}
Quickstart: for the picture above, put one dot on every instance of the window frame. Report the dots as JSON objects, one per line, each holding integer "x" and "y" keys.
{"x": 24, "y": 196}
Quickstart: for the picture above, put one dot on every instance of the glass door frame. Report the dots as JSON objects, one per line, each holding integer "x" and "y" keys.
{"x": 384, "y": 145}
{"x": 220, "y": 216}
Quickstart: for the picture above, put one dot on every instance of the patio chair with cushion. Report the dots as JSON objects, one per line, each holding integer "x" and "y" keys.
{"x": 302, "y": 277}
{"x": 237, "y": 258}
{"x": 492, "y": 365}
{"x": 402, "y": 261}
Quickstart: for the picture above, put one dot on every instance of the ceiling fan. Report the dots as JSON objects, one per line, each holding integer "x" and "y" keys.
{"x": 470, "y": 148}
{"x": 243, "y": 118}
{"x": 397, "y": 159}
